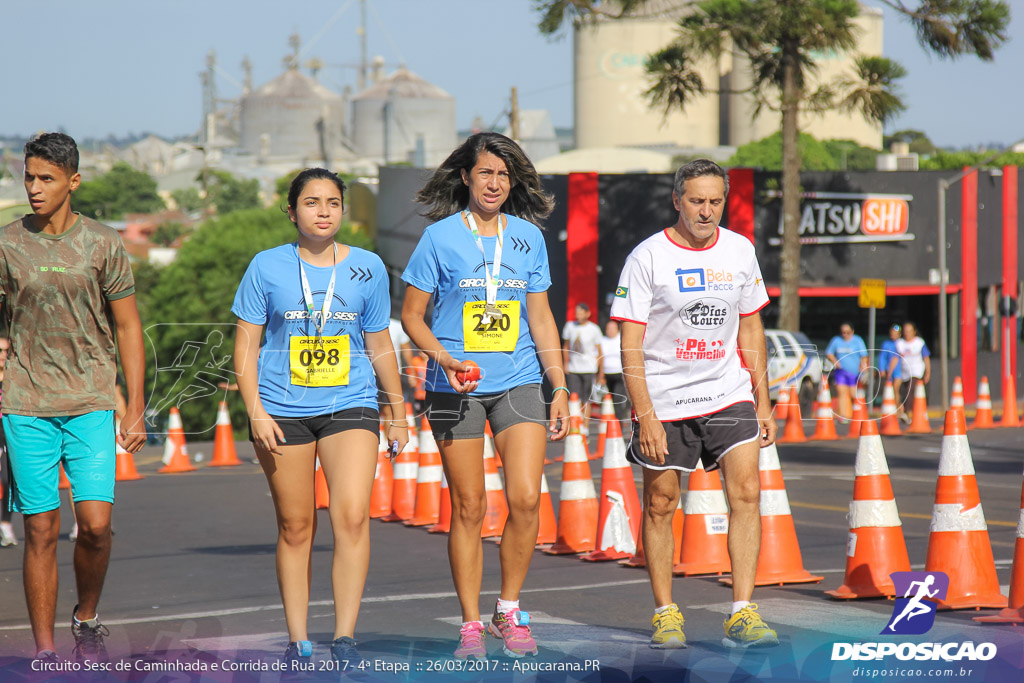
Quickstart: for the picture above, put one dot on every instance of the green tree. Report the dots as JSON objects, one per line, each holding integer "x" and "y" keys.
{"x": 779, "y": 38}
{"x": 119, "y": 191}
{"x": 166, "y": 233}
{"x": 918, "y": 141}
{"x": 944, "y": 160}
{"x": 186, "y": 311}
{"x": 228, "y": 193}
{"x": 188, "y": 199}
{"x": 766, "y": 153}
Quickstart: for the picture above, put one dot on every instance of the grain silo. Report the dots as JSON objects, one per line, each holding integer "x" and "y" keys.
{"x": 403, "y": 118}
{"x": 292, "y": 117}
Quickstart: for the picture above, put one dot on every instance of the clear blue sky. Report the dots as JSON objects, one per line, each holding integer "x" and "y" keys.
{"x": 120, "y": 66}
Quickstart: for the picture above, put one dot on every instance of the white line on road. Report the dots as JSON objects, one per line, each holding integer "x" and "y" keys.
{"x": 322, "y": 603}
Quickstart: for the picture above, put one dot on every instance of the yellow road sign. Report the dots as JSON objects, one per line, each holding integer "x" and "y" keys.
{"x": 872, "y": 294}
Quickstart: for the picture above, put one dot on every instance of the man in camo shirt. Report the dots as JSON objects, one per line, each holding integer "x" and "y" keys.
{"x": 67, "y": 293}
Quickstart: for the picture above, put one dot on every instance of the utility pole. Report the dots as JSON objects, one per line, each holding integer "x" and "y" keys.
{"x": 513, "y": 115}
{"x": 364, "y": 66}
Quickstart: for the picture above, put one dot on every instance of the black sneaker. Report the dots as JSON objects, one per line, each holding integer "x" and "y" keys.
{"x": 346, "y": 657}
{"x": 89, "y": 636}
{"x": 298, "y": 660}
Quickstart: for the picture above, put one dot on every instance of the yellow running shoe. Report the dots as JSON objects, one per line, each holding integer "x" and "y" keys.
{"x": 747, "y": 629}
{"x": 668, "y": 629}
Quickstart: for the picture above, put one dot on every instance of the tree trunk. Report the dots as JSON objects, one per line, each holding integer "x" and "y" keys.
{"x": 789, "y": 263}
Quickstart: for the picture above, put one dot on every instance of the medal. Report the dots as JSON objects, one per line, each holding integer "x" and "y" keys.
{"x": 491, "y": 311}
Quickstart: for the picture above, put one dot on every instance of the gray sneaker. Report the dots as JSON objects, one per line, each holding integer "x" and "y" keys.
{"x": 89, "y": 636}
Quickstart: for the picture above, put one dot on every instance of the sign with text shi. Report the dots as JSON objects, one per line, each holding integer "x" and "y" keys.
{"x": 837, "y": 217}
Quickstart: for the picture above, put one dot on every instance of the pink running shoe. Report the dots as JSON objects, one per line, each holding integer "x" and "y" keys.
{"x": 471, "y": 642}
{"x": 513, "y": 628}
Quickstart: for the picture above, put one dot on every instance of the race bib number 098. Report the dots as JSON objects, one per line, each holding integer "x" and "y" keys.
{"x": 495, "y": 334}
{"x": 323, "y": 362}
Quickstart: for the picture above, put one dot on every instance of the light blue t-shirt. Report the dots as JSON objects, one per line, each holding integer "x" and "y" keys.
{"x": 270, "y": 294}
{"x": 848, "y": 353}
{"x": 448, "y": 264}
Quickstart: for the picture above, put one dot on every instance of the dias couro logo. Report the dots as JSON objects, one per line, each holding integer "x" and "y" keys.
{"x": 914, "y": 614}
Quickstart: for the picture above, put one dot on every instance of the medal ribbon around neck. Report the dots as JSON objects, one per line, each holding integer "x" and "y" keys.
{"x": 491, "y": 277}
{"x": 307, "y": 295}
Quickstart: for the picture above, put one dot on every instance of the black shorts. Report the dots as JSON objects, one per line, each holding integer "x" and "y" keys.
{"x": 303, "y": 430}
{"x": 458, "y": 416}
{"x": 706, "y": 438}
{"x": 581, "y": 384}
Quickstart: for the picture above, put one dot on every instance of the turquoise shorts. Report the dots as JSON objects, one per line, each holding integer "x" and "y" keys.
{"x": 84, "y": 444}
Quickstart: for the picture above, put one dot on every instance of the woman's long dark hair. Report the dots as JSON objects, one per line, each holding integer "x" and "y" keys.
{"x": 445, "y": 193}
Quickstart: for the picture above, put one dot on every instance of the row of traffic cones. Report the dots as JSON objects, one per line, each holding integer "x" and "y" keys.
{"x": 958, "y": 543}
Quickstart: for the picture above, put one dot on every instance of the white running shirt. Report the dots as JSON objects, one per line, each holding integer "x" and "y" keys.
{"x": 584, "y": 342}
{"x": 691, "y": 301}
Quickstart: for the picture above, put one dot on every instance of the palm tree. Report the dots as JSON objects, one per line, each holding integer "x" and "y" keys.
{"x": 778, "y": 39}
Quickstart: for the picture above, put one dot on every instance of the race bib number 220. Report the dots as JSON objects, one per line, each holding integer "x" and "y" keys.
{"x": 495, "y": 334}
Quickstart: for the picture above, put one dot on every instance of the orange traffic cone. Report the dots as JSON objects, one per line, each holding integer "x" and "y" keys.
{"x": 983, "y": 418}
{"x": 959, "y": 544}
{"x": 860, "y": 413}
{"x": 547, "y": 531}
{"x": 793, "y": 432}
{"x": 224, "y": 454}
{"x": 1009, "y": 403}
{"x": 64, "y": 484}
{"x": 640, "y": 560}
{"x": 824, "y": 425}
{"x": 1014, "y": 612}
{"x": 125, "y": 464}
{"x": 705, "y": 547}
{"x": 383, "y": 481}
{"x": 321, "y": 494}
{"x": 444, "y": 518}
{"x": 919, "y": 424}
{"x": 175, "y": 449}
{"x": 779, "y": 561}
{"x": 428, "y": 480}
{"x": 497, "y": 506}
{"x": 577, "y": 508}
{"x": 890, "y": 424}
{"x": 403, "y": 489}
{"x": 875, "y": 547}
{"x": 782, "y": 403}
{"x": 618, "y": 524}
{"x": 607, "y": 414}
{"x": 956, "y": 399}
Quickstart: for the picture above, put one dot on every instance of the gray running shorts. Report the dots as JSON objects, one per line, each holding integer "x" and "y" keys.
{"x": 458, "y": 416}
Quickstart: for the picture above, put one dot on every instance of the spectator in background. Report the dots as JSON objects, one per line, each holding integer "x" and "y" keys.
{"x": 611, "y": 369}
{"x": 889, "y": 361}
{"x": 849, "y": 355}
{"x": 917, "y": 364}
{"x": 581, "y": 355}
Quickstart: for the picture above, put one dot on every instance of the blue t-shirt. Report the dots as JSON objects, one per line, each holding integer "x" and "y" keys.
{"x": 848, "y": 353}
{"x": 889, "y": 359}
{"x": 448, "y": 264}
{"x": 270, "y": 294}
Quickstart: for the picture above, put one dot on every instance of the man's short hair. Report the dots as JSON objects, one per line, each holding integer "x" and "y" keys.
{"x": 57, "y": 148}
{"x": 697, "y": 169}
{"x": 583, "y": 305}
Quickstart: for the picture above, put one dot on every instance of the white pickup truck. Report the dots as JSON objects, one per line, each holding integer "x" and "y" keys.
{"x": 793, "y": 361}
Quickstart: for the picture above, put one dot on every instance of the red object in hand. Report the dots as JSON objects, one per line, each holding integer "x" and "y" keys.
{"x": 471, "y": 375}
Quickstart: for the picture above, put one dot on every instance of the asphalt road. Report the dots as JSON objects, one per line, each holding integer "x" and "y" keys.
{"x": 192, "y": 581}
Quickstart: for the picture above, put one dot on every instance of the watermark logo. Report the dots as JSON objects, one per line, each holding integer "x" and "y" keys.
{"x": 914, "y": 613}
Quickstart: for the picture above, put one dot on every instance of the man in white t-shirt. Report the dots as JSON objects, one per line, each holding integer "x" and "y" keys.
{"x": 688, "y": 299}
{"x": 581, "y": 356}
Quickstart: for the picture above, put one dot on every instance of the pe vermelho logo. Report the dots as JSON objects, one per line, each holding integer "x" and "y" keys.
{"x": 914, "y": 613}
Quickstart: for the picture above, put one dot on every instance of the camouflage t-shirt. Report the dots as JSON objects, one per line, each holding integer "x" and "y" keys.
{"x": 55, "y": 291}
